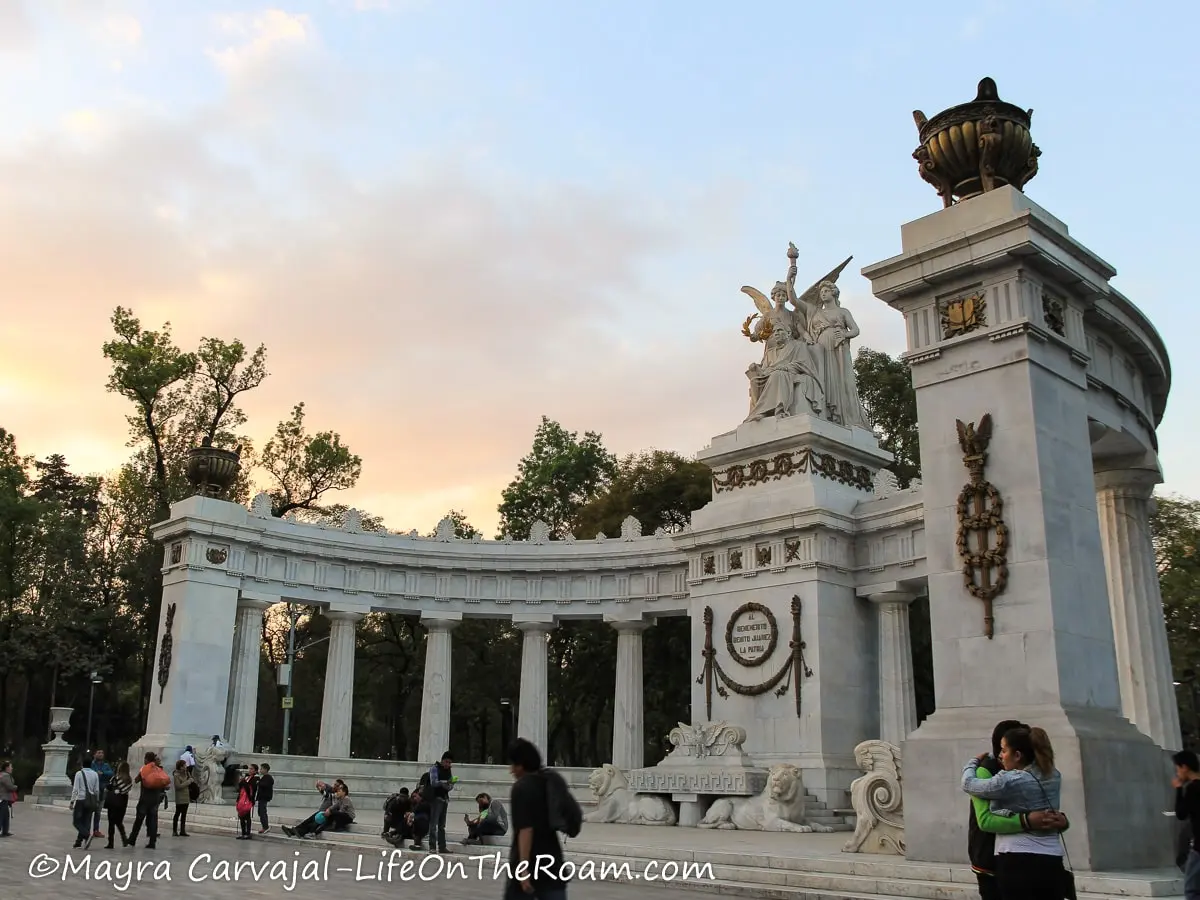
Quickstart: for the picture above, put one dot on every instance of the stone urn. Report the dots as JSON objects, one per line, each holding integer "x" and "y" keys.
{"x": 212, "y": 470}
{"x": 60, "y": 722}
{"x": 976, "y": 147}
{"x": 53, "y": 781}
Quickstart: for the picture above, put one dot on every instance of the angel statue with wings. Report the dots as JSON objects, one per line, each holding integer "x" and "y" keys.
{"x": 788, "y": 380}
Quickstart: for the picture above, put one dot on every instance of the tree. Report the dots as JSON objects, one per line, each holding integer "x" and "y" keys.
{"x": 1175, "y": 526}
{"x": 885, "y": 387}
{"x": 225, "y": 372}
{"x": 305, "y": 467}
{"x": 660, "y": 488}
{"x": 560, "y": 474}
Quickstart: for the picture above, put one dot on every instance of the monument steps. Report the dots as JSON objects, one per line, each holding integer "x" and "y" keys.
{"x": 824, "y": 874}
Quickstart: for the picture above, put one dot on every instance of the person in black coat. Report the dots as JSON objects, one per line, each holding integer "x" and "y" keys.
{"x": 266, "y": 793}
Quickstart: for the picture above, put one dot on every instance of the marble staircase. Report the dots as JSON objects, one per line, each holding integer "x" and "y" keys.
{"x": 737, "y": 863}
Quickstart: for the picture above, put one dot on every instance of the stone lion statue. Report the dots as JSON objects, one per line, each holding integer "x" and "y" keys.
{"x": 780, "y": 807}
{"x": 617, "y": 804}
{"x": 878, "y": 799}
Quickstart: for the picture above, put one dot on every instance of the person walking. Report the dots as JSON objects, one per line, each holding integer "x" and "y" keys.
{"x": 441, "y": 782}
{"x": 265, "y": 794}
{"x": 105, "y": 771}
{"x": 1028, "y": 866}
{"x": 154, "y": 782}
{"x": 8, "y": 796}
{"x": 181, "y": 780}
{"x": 85, "y": 800}
{"x": 534, "y": 838}
{"x": 116, "y": 803}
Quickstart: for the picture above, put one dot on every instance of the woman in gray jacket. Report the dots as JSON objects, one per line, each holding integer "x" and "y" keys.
{"x": 181, "y": 780}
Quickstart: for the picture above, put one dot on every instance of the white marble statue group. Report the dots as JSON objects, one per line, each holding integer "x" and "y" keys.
{"x": 806, "y": 367}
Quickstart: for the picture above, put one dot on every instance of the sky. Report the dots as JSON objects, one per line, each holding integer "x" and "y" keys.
{"x": 448, "y": 218}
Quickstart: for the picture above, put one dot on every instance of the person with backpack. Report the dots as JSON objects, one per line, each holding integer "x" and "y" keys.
{"x": 154, "y": 781}
{"x": 541, "y": 805}
{"x": 85, "y": 802}
{"x": 441, "y": 782}
{"x": 420, "y": 813}
{"x": 8, "y": 796}
{"x": 247, "y": 788}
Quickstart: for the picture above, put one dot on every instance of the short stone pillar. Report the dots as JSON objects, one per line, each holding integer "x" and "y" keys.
{"x": 533, "y": 707}
{"x": 337, "y": 711}
{"x": 53, "y": 781}
{"x": 897, "y": 686}
{"x": 435, "y": 695}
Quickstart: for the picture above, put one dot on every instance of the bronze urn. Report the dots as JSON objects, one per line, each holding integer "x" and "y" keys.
{"x": 211, "y": 470}
{"x": 976, "y": 147}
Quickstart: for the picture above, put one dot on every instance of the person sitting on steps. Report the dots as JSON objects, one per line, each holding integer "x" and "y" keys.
{"x": 492, "y": 820}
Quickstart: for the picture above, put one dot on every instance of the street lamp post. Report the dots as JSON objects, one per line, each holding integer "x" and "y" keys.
{"x": 87, "y": 741}
{"x": 291, "y": 668}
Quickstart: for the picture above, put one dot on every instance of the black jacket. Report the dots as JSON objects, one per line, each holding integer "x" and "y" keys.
{"x": 266, "y": 789}
{"x": 981, "y": 845}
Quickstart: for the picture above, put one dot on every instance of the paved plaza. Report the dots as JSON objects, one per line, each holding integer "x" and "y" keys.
{"x": 35, "y": 862}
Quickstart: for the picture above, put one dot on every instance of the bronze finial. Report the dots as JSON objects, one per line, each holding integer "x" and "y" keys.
{"x": 976, "y": 147}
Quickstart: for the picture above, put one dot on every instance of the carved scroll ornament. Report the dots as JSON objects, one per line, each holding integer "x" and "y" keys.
{"x": 164, "y": 654}
{"x": 980, "y": 515}
{"x": 878, "y": 800}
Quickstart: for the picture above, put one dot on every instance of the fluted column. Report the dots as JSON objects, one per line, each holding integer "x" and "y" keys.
{"x": 532, "y": 710}
{"x": 1135, "y": 600}
{"x": 337, "y": 712}
{"x": 241, "y": 709}
{"x": 897, "y": 687}
{"x": 435, "y": 695}
{"x": 629, "y": 740}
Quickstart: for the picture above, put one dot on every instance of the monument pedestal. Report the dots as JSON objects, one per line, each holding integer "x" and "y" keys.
{"x": 995, "y": 295}
{"x": 792, "y": 649}
{"x": 53, "y": 782}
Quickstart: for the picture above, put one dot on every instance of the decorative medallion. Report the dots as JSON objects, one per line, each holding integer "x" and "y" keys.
{"x": 176, "y": 554}
{"x": 962, "y": 315}
{"x": 784, "y": 465}
{"x": 735, "y": 560}
{"x": 164, "y": 653}
{"x": 751, "y": 635}
{"x": 1052, "y": 313}
{"x": 216, "y": 555}
{"x": 708, "y": 564}
{"x": 980, "y": 515}
{"x": 791, "y": 673}
{"x": 762, "y": 556}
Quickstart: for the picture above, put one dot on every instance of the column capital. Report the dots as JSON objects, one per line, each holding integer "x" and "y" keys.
{"x": 442, "y": 624}
{"x": 892, "y": 598}
{"x": 255, "y": 603}
{"x": 1136, "y": 484}
{"x": 527, "y": 625}
{"x": 342, "y": 615}
{"x": 629, "y": 625}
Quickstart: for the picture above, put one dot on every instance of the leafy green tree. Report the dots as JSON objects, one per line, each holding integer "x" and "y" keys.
{"x": 885, "y": 387}
{"x": 560, "y": 474}
{"x": 660, "y": 488}
{"x": 20, "y": 513}
{"x": 1175, "y": 527}
{"x": 304, "y": 467}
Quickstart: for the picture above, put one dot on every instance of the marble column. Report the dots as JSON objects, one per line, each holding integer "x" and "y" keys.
{"x": 897, "y": 687}
{"x": 533, "y": 708}
{"x": 435, "y": 696}
{"x": 337, "y": 710}
{"x": 629, "y": 740}
{"x": 242, "y": 708}
{"x": 1123, "y": 499}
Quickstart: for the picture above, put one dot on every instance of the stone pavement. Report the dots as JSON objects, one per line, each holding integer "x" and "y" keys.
{"x": 38, "y": 862}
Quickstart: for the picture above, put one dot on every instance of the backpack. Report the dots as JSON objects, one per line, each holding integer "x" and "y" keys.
{"x": 244, "y": 805}
{"x": 91, "y": 799}
{"x": 562, "y": 808}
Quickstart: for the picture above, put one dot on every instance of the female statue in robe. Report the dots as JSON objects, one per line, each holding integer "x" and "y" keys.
{"x": 787, "y": 381}
{"x": 831, "y": 327}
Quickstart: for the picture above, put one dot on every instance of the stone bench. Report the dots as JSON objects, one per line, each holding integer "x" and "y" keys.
{"x": 695, "y": 787}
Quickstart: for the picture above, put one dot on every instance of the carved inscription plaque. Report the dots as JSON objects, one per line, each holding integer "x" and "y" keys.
{"x": 752, "y": 634}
